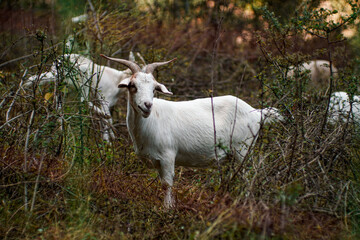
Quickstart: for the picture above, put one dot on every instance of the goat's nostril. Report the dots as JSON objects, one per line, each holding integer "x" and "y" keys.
{"x": 148, "y": 105}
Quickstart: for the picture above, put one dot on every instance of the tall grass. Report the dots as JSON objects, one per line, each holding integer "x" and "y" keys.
{"x": 59, "y": 180}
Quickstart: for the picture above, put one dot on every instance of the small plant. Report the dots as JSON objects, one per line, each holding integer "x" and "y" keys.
{"x": 59, "y": 180}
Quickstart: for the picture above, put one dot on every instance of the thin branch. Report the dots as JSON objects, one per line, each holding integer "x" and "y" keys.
{"x": 14, "y": 99}
{"x": 26, "y": 155}
{"x": 37, "y": 182}
{"x": 30, "y": 55}
{"x": 96, "y": 21}
{"x": 14, "y": 118}
{"x": 218, "y": 32}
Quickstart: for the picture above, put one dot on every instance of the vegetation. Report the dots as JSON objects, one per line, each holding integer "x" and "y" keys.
{"x": 59, "y": 180}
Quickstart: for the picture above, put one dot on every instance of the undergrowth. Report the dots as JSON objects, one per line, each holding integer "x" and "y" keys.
{"x": 60, "y": 180}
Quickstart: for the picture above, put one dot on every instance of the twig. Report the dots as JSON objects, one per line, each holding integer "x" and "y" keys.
{"x": 218, "y": 32}
{"x": 73, "y": 157}
{"x": 30, "y": 55}
{"x": 330, "y": 86}
{"x": 14, "y": 118}
{"x": 96, "y": 22}
{"x": 37, "y": 183}
{"x": 246, "y": 155}
{"x": 5, "y": 95}
{"x": 233, "y": 129}
{"x": 14, "y": 99}
{"x": 214, "y": 128}
{"x": 141, "y": 58}
{"x": 292, "y": 154}
{"x": 16, "y": 59}
{"x": 25, "y": 155}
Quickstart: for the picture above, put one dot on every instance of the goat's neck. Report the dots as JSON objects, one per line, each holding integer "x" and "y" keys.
{"x": 133, "y": 121}
{"x": 120, "y": 75}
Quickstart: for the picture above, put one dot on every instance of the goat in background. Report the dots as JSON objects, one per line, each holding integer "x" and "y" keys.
{"x": 319, "y": 71}
{"x": 91, "y": 77}
{"x": 342, "y": 108}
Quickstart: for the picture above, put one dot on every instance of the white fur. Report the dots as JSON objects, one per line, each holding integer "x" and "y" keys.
{"x": 166, "y": 134}
{"x": 319, "y": 71}
{"x": 80, "y": 18}
{"x": 340, "y": 108}
{"x": 90, "y": 76}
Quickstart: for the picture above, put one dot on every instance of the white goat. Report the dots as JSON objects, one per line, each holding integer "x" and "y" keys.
{"x": 319, "y": 71}
{"x": 79, "y": 19}
{"x": 166, "y": 133}
{"x": 340, "y": 108}
{"x": 90, "y": 77}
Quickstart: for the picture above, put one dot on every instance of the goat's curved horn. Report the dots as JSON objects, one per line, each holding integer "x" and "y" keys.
{"x": 151, "y": 67}
{"x": 131, "y": 65}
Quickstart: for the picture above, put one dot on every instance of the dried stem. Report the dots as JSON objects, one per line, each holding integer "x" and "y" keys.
{"x": 37, "y": 182}
{"x": 14, "y": 99}
{"x": 31, "y": 120}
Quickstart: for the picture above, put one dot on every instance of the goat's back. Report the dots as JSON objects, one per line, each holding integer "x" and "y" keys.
{"x": 187, "y": 129}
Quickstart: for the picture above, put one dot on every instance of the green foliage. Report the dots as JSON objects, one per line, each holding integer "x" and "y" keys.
{"x": 70, "y": 8}
{"x": 307, "y": 130}
{"x": 59, "y": 180}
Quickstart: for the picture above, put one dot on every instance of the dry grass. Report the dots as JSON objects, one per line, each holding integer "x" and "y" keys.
{"x": 58, "y": 180}
{"x": 102, "y": 200}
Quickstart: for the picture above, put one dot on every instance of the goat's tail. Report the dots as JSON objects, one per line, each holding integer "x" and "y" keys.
{"x": 270, "y": 115}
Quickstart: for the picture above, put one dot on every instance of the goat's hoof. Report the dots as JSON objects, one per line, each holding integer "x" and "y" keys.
{"x": 169, "y": 202}
{"x": 170, "y": 205}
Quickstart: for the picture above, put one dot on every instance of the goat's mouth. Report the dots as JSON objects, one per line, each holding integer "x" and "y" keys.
{"x": 144, "y": 112}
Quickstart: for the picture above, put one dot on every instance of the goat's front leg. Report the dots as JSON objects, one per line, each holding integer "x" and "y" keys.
{"x": 108, "y": 133}
{"x": 107, "y": 123}
{"x": 167, "y": 173}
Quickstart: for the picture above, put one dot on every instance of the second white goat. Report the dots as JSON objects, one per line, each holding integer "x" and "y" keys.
{"x": 341, "y": 109}
{"x": 91, "y": 76}
{"x": 319, "y": 71}
{"x": 167, "y": 133}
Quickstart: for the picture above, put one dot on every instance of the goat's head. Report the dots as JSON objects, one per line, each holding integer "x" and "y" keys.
{"x": 141, "y": 85}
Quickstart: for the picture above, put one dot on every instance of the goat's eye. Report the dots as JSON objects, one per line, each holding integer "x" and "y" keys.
{"x": 132, "y": 88}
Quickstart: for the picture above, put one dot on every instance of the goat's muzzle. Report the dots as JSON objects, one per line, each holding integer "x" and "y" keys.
{"x": 145, "y": 112}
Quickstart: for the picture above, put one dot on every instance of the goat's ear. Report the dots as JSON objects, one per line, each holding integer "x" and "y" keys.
{"x": 124, "y": 83}
{"x": 161, "y": 88}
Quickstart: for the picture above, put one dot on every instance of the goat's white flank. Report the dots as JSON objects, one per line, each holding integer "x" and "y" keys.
{"x": 80, "y": 18}
{"x": 319, "y": 71}
{"x": 340, "y": 108}
{"x": 91, "y": 76}
{"x": 167, "y": 133}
